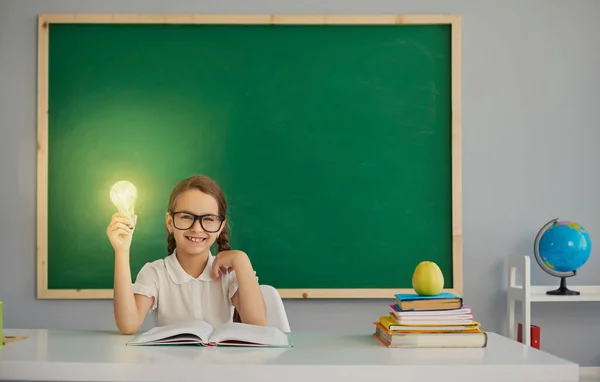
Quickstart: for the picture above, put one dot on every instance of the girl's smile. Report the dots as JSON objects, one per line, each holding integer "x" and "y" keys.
{"x": 195, "y": 239}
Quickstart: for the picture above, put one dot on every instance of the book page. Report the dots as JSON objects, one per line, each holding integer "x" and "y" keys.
{"x": 244, "y": 334}
{"x": 174, "y": 333}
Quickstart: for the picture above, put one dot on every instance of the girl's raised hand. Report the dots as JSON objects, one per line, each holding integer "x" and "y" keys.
{"x": 120, "y": 231}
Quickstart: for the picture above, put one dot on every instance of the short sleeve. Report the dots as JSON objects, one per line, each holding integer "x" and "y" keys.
{"x": 146, "y": 283}
{"x": 233, "y": 284}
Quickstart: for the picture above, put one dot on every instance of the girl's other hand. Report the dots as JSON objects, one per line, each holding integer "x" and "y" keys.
{"x": 228, "y": 261}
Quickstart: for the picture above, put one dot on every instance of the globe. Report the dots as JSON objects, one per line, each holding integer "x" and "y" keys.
{"x": 561, "y": 248}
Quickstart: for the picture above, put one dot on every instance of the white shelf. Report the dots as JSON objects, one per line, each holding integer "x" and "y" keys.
{"x": 527, "y": 293}
{"x": 587, "y": 293}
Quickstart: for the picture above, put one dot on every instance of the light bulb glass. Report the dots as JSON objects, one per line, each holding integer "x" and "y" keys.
{"x": 123, "y": 194}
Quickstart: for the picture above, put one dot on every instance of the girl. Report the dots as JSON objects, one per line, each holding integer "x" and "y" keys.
{"x": 190, "y": 283}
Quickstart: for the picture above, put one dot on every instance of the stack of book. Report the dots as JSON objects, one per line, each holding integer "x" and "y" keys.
{"x": 440, "y": 321}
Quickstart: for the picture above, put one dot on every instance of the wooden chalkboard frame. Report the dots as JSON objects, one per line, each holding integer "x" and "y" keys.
{"x": 42, "y": 124}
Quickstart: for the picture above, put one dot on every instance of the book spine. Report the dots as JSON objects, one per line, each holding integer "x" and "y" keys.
{"x": 535, "y": 333}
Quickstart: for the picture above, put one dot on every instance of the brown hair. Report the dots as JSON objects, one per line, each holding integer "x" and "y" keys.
{"x": 209, "y": 187}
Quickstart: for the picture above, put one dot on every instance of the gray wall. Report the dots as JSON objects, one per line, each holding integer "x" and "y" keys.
{"x": 531, "y": 102}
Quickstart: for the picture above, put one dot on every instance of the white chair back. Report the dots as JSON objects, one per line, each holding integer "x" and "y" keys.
{"x": 276, "y": 315}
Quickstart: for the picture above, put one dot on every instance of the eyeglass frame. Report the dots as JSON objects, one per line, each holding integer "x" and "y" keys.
{"x": 196, "y": 218}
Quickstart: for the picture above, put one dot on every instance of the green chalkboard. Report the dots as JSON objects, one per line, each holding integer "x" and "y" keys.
{"x": 333, "y": 144}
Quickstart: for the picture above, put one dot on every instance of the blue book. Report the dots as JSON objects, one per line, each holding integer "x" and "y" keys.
{"x": 441, "y": 301}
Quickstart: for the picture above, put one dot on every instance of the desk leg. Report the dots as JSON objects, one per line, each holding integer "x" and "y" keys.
{"x": 511, "y": 319}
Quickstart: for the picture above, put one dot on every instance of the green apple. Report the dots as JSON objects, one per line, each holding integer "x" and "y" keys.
{"x": 428, "y": 279}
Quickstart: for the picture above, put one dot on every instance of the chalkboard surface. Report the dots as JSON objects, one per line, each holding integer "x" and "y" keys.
{"x": 336, "y": 146}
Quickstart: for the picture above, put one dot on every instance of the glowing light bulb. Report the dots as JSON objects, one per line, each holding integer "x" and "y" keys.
{"x": 123, "y": 194}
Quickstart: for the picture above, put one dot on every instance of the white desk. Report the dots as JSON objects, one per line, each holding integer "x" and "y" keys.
{"x": 103, "y": 356}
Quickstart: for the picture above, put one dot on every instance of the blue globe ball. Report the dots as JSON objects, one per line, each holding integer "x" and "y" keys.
{"x": 564, "y": 247}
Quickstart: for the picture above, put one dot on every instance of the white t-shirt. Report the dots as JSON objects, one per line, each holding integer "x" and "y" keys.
{"x": 180, "y": 297}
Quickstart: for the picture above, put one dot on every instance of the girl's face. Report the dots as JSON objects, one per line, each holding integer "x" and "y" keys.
{"x": 195, "y": 237}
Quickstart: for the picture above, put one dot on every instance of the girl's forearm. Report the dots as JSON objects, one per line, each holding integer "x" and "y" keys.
{"x": 126, "y": 311}
{"x": 251, "y": 304}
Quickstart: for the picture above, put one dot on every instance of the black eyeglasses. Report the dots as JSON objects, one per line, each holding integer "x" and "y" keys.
{"x": 209, "y": 222}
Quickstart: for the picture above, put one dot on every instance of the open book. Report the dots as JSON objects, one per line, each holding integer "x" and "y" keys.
{"x": 202, "y": 333}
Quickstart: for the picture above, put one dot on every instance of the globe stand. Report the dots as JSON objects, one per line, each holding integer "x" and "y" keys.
{"x": 563, "y": 290}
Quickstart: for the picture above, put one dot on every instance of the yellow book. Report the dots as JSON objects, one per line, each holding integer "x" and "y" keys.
{"x": 390, "y": 325}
